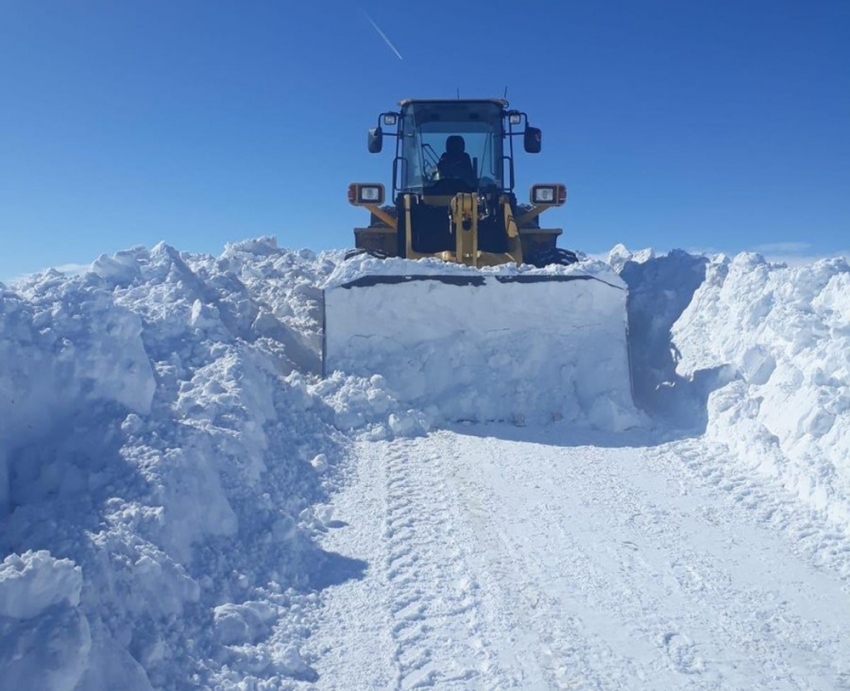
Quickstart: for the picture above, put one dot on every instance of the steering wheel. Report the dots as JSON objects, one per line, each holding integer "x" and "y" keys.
{"x": 429, "y": 171}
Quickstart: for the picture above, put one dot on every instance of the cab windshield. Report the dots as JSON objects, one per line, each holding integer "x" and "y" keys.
{"x": 445, "y": 140}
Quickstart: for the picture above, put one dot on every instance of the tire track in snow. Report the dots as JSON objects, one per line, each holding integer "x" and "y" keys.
{"x": 764, "y": 500}
{"x": 627, "y": 586}
{"x": 526, "y": 646}
{"x": 433, "y": 596}
{"x": 566, "y": 652}
{"x": 499, "y": 563}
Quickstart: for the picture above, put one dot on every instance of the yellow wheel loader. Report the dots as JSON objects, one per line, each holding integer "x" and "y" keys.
{"x": 456, "y": 296}
{"x": 453, "y": 180}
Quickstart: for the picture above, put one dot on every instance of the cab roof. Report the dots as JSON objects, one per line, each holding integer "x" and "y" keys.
{"x": 501, "y": 102}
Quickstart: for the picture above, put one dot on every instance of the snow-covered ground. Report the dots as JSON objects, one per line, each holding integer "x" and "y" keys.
{"x": 185, "y": 503}
{"x": 509, "y": 558}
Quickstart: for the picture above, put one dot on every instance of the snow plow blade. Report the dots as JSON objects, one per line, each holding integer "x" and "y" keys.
{"x": 483, "y": 345}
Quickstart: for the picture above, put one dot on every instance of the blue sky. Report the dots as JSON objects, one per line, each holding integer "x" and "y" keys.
{"x": 721, "y": 125}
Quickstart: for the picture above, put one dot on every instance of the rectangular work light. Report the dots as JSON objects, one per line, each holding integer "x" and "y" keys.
{"x": 361, "y": 194}
{"x": 548, "y": 195}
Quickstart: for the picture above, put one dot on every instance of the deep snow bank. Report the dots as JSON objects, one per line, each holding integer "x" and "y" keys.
{"x": 755, "y": 353}
{"x": 164, "y": 456}
{"x": 786, "y": 332}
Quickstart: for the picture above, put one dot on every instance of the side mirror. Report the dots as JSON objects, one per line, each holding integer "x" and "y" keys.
{"x": 532, "y": 140}
{"x": 375, "y": 141}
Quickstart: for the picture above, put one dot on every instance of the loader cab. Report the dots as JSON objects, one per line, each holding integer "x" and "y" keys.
{"x": 446, "y": 147}
{"x": 426, "y": 131}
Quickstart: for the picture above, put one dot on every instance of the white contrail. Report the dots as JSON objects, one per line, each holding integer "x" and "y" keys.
{"x": 383, "y": 35}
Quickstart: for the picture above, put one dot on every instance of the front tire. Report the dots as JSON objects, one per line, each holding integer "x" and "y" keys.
{"x": 552, "y": 255}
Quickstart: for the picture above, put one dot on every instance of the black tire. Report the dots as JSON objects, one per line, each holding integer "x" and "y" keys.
{"x": 552, "y": 255}
{"x": 377, "y": 254}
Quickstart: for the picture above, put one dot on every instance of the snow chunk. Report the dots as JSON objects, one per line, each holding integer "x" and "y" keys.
{"x": 245, "y": 623}
{"x": 293, "y": 662}
{"x": 33, "y": 581}
{"x": 620, "y": 255}
{"x": 407, "y": 424}
{"x": 120, "y": 269}
{"x": 320, "y": 463}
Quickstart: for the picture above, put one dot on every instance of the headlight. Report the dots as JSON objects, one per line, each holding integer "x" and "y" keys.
{"x": 550, "y": 195}
{"x": 544, "y": 195}
{"x": 370, "y": 194}
{"x": 360, "y": 194}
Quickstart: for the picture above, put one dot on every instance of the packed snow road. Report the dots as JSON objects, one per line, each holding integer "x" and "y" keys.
{"x": 502, "y": 557}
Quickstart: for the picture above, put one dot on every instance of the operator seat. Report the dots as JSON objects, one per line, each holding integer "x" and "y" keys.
{"x": 455, "y": 163}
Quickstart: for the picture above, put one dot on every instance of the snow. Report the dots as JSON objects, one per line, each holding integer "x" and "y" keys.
{"x": 34, "y": 581}
{"x": 644, "y": 574}
{"x": 792, "y": 362}
{"x": 153, "y": 435}
{"x": 185, "y": 502}
{"x": 436, "y": 334}
{"x": 764, "y": 348}
{"x": 45, "y": 639}
{"x": 365, "y": 265}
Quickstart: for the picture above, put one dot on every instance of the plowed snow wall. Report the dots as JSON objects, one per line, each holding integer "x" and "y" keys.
{"x": 488, "y": 348}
